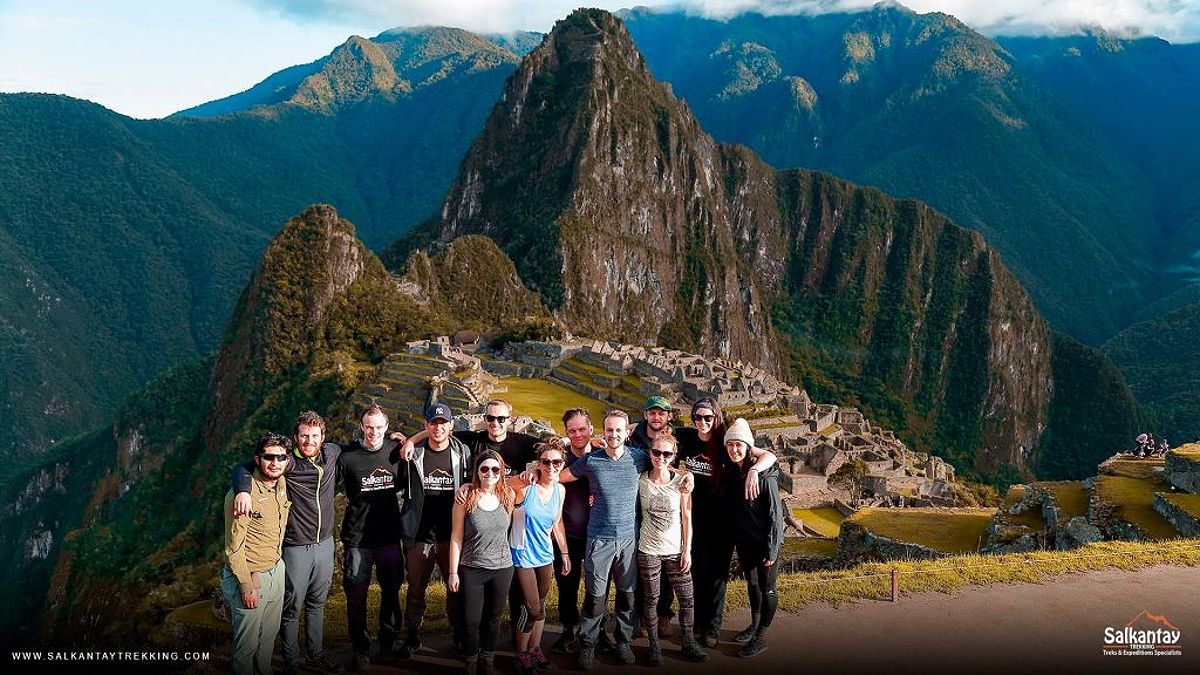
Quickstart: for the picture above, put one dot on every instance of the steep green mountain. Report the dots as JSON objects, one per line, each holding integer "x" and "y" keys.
{"x": 1142, "y": 94}
{"x": 123, "y": 524}
{"x": 1161, "y": 360}
{"x": 633, "y": 224}
{"x": 921, "y": 106}
{"x": 124, "y": 243}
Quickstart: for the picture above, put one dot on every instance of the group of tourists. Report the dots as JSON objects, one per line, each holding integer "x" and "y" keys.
{"x": 654, "y": 510}
{"x": 1147, "y": 446}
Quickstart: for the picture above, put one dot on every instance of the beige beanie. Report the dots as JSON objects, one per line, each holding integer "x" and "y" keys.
{"x": 740, "y": 431}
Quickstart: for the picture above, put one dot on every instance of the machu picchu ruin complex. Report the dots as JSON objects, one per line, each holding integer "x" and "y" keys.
{"x": 903, "y": 503}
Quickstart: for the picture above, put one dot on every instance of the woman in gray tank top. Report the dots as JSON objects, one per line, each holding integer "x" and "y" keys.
{"x": 480, "y": 561}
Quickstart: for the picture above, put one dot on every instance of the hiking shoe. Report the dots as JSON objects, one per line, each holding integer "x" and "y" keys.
{"x": 625, "y": 654}
{"x": 587, "y": 657}
{"x": 410, "y": 646}
{"x": 692, "y": 651}
{"x": 664, "y": 627}
{"x": 539, "y": 659}
{"x": 754, "y": 647}
{"x": 322, "y": 664}
{"x": 745, "y": 635}
{"x": 360, "y": 663}
{"x": 565, "y": 642}
{"x": 710, "y": 638}
{"x": 655, "y": 656}
{"x": 525, "y": 664}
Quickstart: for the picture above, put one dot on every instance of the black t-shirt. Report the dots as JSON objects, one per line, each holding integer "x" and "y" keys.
{"x": 700, "y": 457}
{"x": 371, "y": 480}
{"x": 576, "y": 502}
{"x": 438, "y": 484}
{"x": 517, "y": 450}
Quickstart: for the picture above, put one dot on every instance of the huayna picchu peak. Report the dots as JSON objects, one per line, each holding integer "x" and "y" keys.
{"x": 633, "y": 224}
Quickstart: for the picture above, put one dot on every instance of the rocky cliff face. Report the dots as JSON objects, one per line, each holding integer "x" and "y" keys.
{"x": 634, "y": 224}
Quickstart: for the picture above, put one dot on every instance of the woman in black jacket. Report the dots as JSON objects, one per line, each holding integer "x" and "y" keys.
{"x": 758, "y": 533}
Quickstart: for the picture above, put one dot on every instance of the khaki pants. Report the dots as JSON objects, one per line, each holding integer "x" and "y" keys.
{"x": 254, "y": 630}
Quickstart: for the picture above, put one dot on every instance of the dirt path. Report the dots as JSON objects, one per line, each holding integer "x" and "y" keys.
{"x": 1025, "y": 628}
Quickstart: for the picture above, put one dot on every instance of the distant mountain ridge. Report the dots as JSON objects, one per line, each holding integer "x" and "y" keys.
{"x": 395, "y": 63}
{"x": 922, "y": 106}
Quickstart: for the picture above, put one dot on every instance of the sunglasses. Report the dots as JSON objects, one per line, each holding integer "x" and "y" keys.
{"x": 491, "y": 468}
{"x": 496, "y": 418}
{"x": 662, "y": 453}
{"x": 274, "y": 458}
{"x": 551, "y": 462}
{"x": 704, "y": 418}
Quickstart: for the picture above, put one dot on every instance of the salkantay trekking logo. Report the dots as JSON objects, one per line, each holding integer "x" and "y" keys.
{"x": 1147, "y": 634}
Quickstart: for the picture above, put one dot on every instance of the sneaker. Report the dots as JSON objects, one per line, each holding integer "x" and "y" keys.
{"x": 539, "y": 659}
{"x": 322, "y": 664}
{"x": 565, "y": 642}
{"x": 745, "y": 635}
{"x": 754, "y": 647}
{"x": 625, "y": 654}
{"x": 655, "y": 656}
{"x": 692, "y": 651}
{"x": 360, "y": 663}
{"x": 525, "y": 664}
{"x": 587, "y": 657}
{"x": 710, "y": 638}
{"x": 410, "y": 646}
{"x": 664, "y": 627}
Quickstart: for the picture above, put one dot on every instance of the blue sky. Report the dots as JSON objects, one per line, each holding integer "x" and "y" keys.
{"x": 149, "y": 58}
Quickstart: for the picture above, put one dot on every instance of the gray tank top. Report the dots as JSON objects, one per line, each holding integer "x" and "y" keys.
{"x": 485, "y": 539}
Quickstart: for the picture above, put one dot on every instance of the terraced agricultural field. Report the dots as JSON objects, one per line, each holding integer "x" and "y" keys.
{"x": 824, "y": 519}
{"x": 945, "y": 530}
{"x": 543, "y": 400}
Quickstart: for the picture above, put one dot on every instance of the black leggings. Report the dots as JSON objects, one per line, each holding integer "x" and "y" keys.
{"x": 534, "y": 584}
{"x": 483, "y": 593}
{"x": 760, "y": 585}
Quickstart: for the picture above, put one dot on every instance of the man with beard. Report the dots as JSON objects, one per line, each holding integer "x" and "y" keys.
{"x": 374, "y": 477}
{"x": 252, "y": 579}
{"x": 308, "y": 540}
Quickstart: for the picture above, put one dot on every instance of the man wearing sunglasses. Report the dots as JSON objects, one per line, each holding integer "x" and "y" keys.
{"x": 517, "y": 449}
{"x": 308, "y": 541}
{"x": 440, "y": 465}
{"x": 252, "y": 579}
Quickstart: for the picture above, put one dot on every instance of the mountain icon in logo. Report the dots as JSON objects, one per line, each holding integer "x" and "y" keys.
{"x": 1148, "y": 620}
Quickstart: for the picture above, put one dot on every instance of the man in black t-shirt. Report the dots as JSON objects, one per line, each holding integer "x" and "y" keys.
{"x": 440, "y": 464}
{"x": 373, "y": 474}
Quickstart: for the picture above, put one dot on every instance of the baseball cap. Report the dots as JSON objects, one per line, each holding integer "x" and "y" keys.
{"x": 658, "y": 402}
{"x": 438, "y": 411}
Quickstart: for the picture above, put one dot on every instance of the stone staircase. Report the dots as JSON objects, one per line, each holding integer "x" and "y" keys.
{"x": 597, "y": 383}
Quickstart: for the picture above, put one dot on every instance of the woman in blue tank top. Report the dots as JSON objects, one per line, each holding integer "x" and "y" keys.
{"x": 537, "y": 518}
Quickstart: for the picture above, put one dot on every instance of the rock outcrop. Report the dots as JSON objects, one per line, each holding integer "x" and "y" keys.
{"x": 634, "y": 225}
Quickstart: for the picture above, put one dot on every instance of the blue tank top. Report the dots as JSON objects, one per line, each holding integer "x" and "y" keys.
{"x": 529, "y": 538}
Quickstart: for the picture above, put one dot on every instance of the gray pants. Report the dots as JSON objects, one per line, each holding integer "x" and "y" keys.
{"x": 604, "y": 559}
{"x": 308, "y": 576}
{"x": 254, "y": 630}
